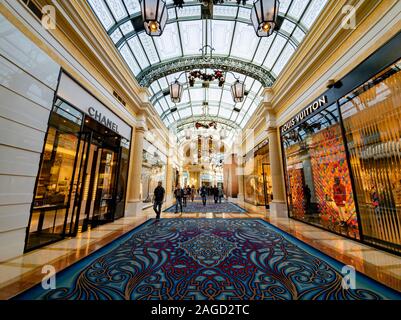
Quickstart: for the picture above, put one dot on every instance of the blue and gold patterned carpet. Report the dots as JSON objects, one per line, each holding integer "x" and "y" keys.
{"x": 197, "y": 206}
{"x": 204, "y": 259}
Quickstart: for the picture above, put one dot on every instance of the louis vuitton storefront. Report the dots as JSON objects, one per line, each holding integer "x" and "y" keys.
{"x": 83, "y": 171}
{"x": 342, "y": 154}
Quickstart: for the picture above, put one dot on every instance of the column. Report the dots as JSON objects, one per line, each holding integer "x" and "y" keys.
{"x": 278, "y": 207}
{"x": 240, "y": 175}
{"x": 134, "y": 203}
{"x": 169, "y": 180}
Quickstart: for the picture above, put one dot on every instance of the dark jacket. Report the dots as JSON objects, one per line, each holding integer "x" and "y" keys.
{"x": 159, "y": 194}
{"x": 179, "y": 193}
{"x": 203, "y": 191}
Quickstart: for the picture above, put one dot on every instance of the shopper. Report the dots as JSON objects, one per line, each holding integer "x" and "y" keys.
{"x": 215, "y": 192}
{"x": 193, "y": 191}
{"x": 178, "y": 194}
{"x": 220, "y": 193}
{"x": 203, "y": 194}
{"x": 158, "y": 197}
{"x": 185, "y": 196}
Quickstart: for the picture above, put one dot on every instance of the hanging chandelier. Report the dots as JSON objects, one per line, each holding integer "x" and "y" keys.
{"x": 238, "y": 91}
{"x": 176, "y": 89}
{"x": 264, "y": 16}
{"x": 154, "y": 15}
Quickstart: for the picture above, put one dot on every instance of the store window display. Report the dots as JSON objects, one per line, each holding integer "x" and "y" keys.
{"x": 257, "y": 179}
{"x": 318, "y": 181}
{"x": 372, "y": 123}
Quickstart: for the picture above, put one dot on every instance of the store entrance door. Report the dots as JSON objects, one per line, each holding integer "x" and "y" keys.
{"x": 93, "y": 200}
{"x": 100, "y": 202}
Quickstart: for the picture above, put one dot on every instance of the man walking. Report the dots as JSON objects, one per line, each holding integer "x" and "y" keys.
{"x": 158, "y": 197}
{"x": 203, "y": 194}
{"x": 179, "y": 194}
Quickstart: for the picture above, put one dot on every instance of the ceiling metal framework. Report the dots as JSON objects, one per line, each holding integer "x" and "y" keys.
{"x": 227, "y": 29}
{"x": 147, "y": 76}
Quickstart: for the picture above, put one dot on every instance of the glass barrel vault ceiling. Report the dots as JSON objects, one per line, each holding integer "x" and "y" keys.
{"x": 228, "y": 31}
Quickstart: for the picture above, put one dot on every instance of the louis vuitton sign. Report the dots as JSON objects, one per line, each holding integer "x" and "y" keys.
{"x": 316, "y": 105}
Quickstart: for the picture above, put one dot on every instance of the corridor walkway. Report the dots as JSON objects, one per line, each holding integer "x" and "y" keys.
{"x": 21, "y": 273}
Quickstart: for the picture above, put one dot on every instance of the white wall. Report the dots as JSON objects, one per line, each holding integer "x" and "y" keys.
{"x": 28, "y": 80}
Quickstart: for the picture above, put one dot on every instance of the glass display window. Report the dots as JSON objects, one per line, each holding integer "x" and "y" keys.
{"x": 372, "y": 123}
{"x": 56, "y": 171}
{"x": 257, "y": 179}
{"x": 319, "y": 188}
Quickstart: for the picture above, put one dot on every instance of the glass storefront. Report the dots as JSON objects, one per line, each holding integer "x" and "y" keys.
{"x": 372, "y": 123}
{"x": 319, "y": 188}
{"x": 343, "y": 162}
{"x": 153, "y": 170}
{"x": 257, "y": 177}
{"x": 82, "y": 178}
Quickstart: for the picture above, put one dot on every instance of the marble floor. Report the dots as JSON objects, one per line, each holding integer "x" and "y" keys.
{"x": 21, "y": 273}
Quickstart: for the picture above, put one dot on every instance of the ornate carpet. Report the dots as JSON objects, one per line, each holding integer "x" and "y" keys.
{"x": 208, "y": 259}
{"x": 197, "y": 206}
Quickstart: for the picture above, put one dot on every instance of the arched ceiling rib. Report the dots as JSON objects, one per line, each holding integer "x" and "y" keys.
{"x": 156, "y": 61}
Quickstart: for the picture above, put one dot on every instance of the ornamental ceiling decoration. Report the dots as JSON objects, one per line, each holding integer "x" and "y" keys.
{"x": 227, "y": 28}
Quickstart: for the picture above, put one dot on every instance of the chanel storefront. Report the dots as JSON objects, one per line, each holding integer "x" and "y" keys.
{"x": 342, "y": 154}
{"x": 83, "y": 171}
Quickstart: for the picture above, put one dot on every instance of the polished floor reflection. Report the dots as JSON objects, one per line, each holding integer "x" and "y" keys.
{"x": 21, "y": 273}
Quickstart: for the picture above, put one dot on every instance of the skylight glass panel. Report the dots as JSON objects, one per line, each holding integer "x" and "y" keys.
{"x": 133, "y": 6}
{"x": 102, "y": 13}
{"x": 163, "y": 83}
{"x": 263, "y": 48}
{"x": 191, "y": 36}
{"x": 149, "y": 47}
{"x": 128, "y": 57}
{"x": 155, "y": 86}
{"x": 222, "y": 32}
{"x": 158, "y": 108}
{"x": 170, "y": 118}
{"x": 284, "y": 5}
{"x": 214, "y": 94}
{"x": 244, "y": 13}
{"x": 225, "y": 11}
{"x": 248, "y": 83}
{"x": 117, "y": 9}
{"x": 287, "y": 26}
{"x": 313, "y": 12}
{"x": 139, "y": 53}
{"x": 126, "y": 27}
{"x": 275, "y": 50}
{"x": 284, "y": 57}
{"x": 213, "y": 111}
{"x": 227, "y": 97}
{"x": 189, "y": 11}
{"x": 185, "y": 113}
{"x": 225, "y": 113}
{"x": 245, "y": 41}
{"x": 171, "y": 14}
{"x": 164, "y": 104}
{"x": 298, "y": 34}
{"x": 168, "y": 44}
{"x": 116, "y": 35}
{"x": 197, "y": 111}
{"x": 197, "y": 94}
{"x": 297, "y": 9}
